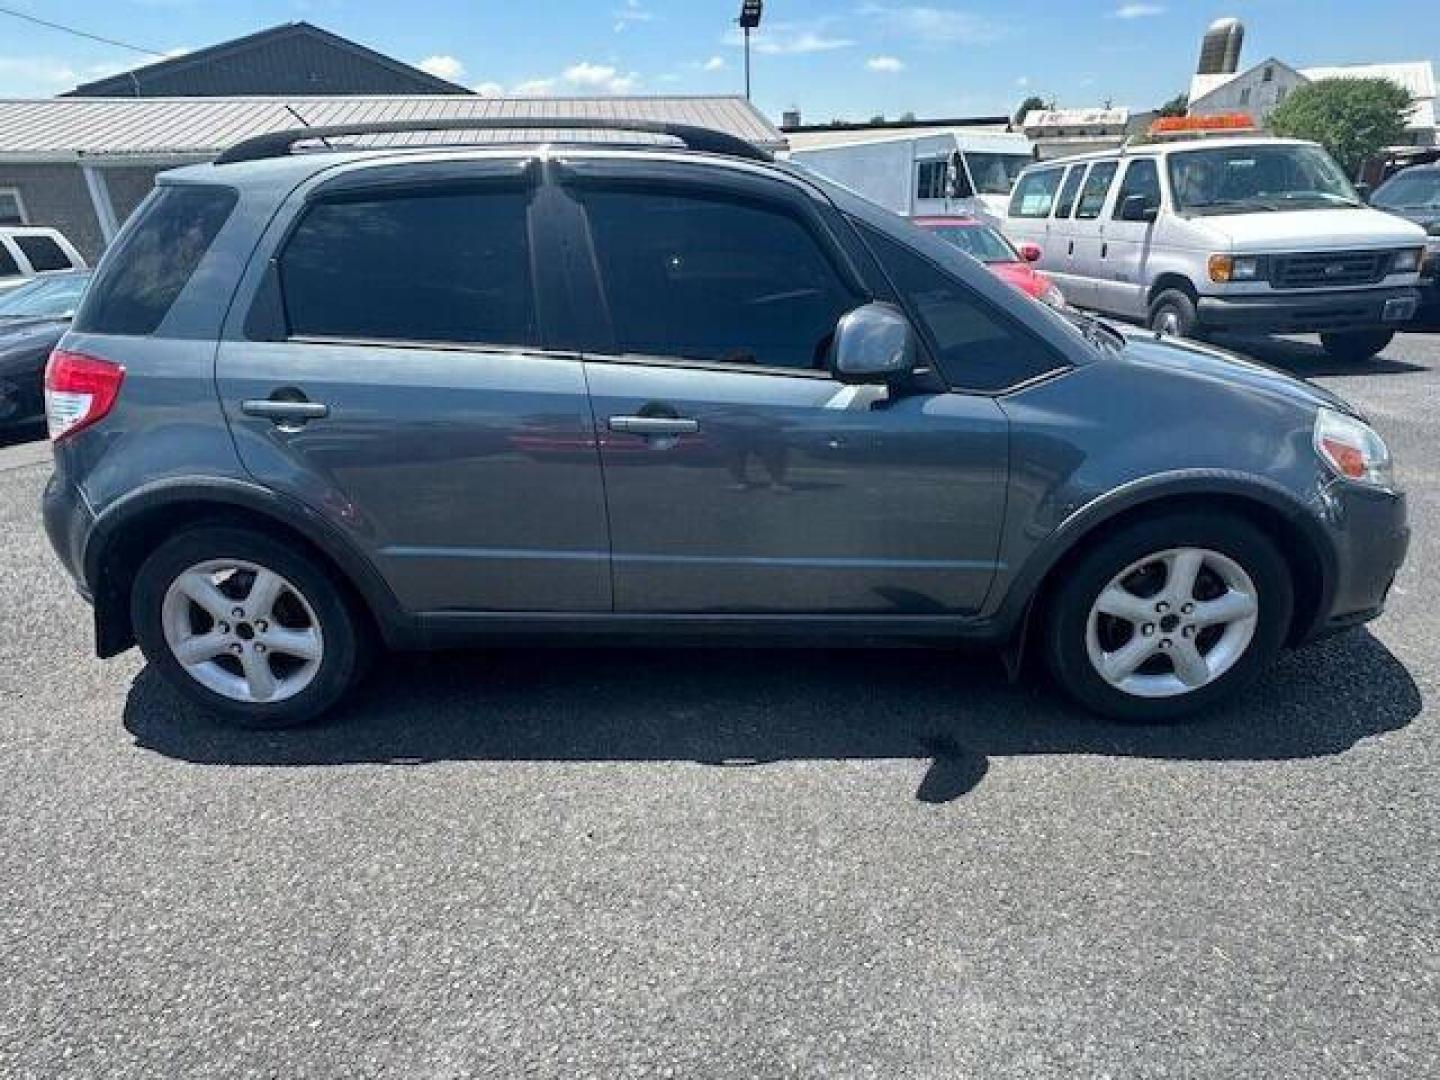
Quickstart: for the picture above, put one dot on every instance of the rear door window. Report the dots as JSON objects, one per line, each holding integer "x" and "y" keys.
{"x": 43, "y": 253}
{"x": 445, "y": 266}
{"x": 706, "y": 277}
{"x": 1141, "y": 178}
{"x": 1035, "y": 194}
{"x": 1069, "y": 191}
{"x": 1097, "y": 186}
{"x": 154, "y": 259}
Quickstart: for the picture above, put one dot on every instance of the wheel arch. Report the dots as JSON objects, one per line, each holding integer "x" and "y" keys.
{"x": 1171, "y": 280}
{"x": 126, "y": 533}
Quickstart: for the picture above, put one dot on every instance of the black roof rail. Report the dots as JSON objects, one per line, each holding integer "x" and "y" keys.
{"x": 707, "y": 140}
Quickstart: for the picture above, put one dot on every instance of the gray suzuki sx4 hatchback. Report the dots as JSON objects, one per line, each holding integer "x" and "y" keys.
{"x": 321, "y": 401}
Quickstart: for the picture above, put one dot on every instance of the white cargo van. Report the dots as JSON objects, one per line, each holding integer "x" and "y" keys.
{"x": 946, "y": 172}
{"x": 26, "y": 251}
{"x": 1245, "y": 234}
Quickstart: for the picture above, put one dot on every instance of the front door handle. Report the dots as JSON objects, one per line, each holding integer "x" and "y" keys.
{"x": 285, "y": 412}
{"x": 1104, "y": 250}
{"x": 654, "y": 425}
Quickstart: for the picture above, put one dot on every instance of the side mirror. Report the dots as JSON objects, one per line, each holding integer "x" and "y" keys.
{"x": 873, "y": 344}
{"x": 1138, "y": 208}
{"x": 1030, "y": 252}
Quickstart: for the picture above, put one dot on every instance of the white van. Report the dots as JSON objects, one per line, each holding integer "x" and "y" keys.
{"x": 26, "y": 251}
{"x": 949, "y": 171}
{"x": 1243, "y": 234}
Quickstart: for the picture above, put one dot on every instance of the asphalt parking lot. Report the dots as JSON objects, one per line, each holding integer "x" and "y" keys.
{"x": 727, "y": 863}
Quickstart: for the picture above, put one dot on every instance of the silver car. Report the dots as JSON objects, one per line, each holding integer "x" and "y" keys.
{"x": 320, "y": 403}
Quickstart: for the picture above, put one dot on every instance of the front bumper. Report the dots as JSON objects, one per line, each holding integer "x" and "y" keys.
{"x": 1369, "y": 534}
{"x": 1310, "y": 312}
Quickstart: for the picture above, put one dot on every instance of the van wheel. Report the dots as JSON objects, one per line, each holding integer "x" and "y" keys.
{"x": 248, "y": 627}
{"x": 1169, "y": 616}
{"x": 1173, "y": 313}
{"x": 1354, "y": 346}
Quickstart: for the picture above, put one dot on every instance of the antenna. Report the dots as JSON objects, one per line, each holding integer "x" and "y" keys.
{"x": 306, "y": 123}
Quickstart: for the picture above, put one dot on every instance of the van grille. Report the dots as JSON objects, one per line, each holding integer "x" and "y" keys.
{"x": 1319, "y": 269}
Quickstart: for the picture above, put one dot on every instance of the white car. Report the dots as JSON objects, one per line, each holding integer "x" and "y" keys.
{"x": 1245, "y": 234}
{"x": 26, "y": 252}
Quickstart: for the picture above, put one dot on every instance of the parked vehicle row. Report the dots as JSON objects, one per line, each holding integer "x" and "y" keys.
{"x": 32, "y": 319}
{"x": 675, "y": 393}
{"x": 986, "y": 245}
{"x": 1414, "y": 194}
{"x": 28, "y": 252}
{"x": 1247, "y": 234}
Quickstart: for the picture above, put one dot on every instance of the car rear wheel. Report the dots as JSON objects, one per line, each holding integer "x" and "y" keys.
{"x": 250, "y": 628}
{"x": 1173, "y": 313}
{"x": 1169, "y": 616}
{"x": 1355, "y": 346}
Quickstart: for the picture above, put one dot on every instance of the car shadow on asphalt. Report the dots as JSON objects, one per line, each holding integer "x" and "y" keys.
{"x": 1307, "y": 360}
{"x": 742, "y": 707}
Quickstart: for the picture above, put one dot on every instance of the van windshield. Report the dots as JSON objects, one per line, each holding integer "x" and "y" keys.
{"x": 1255, "y": 179}
{"x": 1416, "y": 190}
{"x": 994, "y": 174}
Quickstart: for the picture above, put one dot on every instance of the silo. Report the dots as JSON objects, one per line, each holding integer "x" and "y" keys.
{"x": 1220, "y": 48}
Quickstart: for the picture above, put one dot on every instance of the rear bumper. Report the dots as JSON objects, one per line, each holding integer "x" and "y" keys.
{"x": 1370, "y": 534}
{"x": 1308, "y": 313}
{"x": 68, "y": 521}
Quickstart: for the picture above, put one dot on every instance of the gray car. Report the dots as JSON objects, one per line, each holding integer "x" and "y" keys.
{"x": 317, "y": 403}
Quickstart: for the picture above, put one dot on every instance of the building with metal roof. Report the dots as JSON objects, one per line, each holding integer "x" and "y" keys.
{"x": 83, "y": 164}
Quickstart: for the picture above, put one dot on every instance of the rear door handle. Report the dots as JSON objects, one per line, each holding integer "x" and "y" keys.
{"x": 654, "y": 425}
{"x": 285, "y": 411}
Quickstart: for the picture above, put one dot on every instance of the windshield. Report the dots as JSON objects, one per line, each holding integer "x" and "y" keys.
{"x": 46, "y": 298}
{"x": 977, "y": 241}
{"x": 994, "y": 174}
{"x": 1253, "y": 179}
{"x": 1413, "y": 190}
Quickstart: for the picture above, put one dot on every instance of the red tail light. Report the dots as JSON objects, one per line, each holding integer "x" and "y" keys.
{"x": 79, "y": 390}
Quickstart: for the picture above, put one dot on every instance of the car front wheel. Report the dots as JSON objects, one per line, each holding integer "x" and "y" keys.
{"x": 1169, "y": 616}
{"x": 254, "y": 630}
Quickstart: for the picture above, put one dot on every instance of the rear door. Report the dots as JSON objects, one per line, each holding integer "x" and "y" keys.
{"x": 1127, "y": 241}
{"x": 740, "y": 477}
{"x": 1090, "y": 260}
{"x": 395, "y": 375}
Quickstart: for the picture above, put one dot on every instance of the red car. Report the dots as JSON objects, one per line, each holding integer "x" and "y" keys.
{"x": 981, "y": 242}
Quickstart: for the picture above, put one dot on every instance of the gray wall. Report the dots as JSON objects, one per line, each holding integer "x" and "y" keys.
{"x": 56, "y": 196}
{"x": 128, "y": 188}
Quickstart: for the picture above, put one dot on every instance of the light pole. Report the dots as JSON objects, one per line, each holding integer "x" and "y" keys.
{"x": 750, "y": 11}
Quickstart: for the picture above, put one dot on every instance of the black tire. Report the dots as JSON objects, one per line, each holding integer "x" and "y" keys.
{"x": 1173, "y": 312}
{"x": 1356, "y": 346}
{"x": 344, "y": 630}
{"x": 1068, "y": 610}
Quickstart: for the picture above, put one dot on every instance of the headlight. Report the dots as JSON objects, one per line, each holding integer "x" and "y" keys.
{"x": 1353, "y": 450}
{"x": 1407, "y": 260}
{"x": 1053, "y": 296}
{"x": 1234, "y": 267}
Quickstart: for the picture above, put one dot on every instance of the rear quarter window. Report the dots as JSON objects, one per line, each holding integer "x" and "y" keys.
{"x": 142, "y": 277}
{"x": 1035, "y": 194}
{"x": 8, "y": 266}
{"x": 43, "y": 253}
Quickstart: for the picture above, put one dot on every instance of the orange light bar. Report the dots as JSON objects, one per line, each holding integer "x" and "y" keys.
{"x": 1169, "y": 125}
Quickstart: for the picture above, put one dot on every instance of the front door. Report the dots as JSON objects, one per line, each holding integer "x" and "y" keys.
{"x": 408, "y": 397}
{"x": 1122, "y": 290}
{"x": 740, "y": 478}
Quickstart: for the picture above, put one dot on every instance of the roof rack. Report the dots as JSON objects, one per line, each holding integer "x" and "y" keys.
{"x": 706, "y": 140}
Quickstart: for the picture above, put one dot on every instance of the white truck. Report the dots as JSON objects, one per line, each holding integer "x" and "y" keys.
{"x": 946, "y": 171}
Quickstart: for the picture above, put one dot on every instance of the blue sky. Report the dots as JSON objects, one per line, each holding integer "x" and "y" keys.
{"x": 852, "y": 58}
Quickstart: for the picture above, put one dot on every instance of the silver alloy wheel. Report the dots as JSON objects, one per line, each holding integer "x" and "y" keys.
{"x": 1172, "y": 622}
{"x": 1168, "y": 322}
{"x": 242, "y": 630}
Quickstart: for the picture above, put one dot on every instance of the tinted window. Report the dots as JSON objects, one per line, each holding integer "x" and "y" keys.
{"x": 8, "y": 266}
{"x": 1035, "y": 194}
{"x": 1066, "y": 202}
{"x": 10, "y": 212}
{"x": 44, "y": 254}
{"x": 1097, "y": 186}
{"x": 976, "y": 346}
{"x": 1414, "y": 189}
{"x": 154, "y": 259}
{"x": 995, "y": 174}
{"x": 1141, "y": 178}
{"x": 442, "y": 267}
{"x": 977, "y": 241}
{"x": 930, "y": 179}
{"x": 708, "y": 278}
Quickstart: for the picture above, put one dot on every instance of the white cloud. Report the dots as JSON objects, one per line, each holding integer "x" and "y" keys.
{"x": 888, "y": 64}
{"x": 633, "y": 12}
{"x": 791, "y": 39}
{"x": 1137, "y": 11}
{"x": 1023, "y": 81}
{"x": 533, "y": 88}
{"x": 930, "y": 25}
{"x": 602, "y": 77}
{"x": 715, "y": 63}
{"x": 489, "y": 89}
{"x": 36, "y": 76}
{"x": 442, "y": 67}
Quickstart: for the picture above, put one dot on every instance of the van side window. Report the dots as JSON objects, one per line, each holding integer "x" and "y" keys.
{"x": 43, "y": 252}
{"x": 976, "y": 346}
{"x": 8, "y": 266}
{"x": 714, "y": 278}
{"x": 1035, "y": 194}
{"x": 1141, "y": 178}
{"x": 1069, "y": 191}
{"x": 930, "y": 179}
{"x": 1097, "y": 186}
{"x": 451, "y": 267}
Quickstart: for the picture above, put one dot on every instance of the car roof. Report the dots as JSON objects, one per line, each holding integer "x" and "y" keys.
{"x": 1157, "y": 149}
